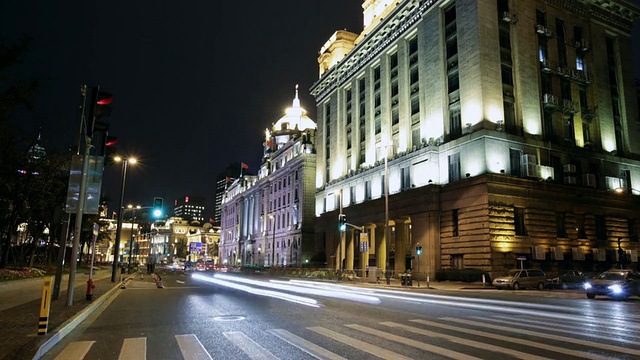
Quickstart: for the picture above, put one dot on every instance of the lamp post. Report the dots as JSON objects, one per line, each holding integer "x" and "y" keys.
{"x": 133, "y": 222}
{"x": 116, "y": 246}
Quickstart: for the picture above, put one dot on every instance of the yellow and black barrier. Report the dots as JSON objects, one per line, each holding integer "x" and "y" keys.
{"x": 43, "y": 322}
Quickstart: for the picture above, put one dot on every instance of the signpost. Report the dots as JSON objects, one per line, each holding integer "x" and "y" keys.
{"x": 522, "y": 259}
{"x": 418, "y": 253}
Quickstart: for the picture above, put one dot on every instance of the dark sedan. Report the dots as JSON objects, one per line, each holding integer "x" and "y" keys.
{"x": 566, "y": 279}
{"x": 618, "y": 284}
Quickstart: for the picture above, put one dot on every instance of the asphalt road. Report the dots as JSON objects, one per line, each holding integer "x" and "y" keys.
{"x": 197, "y": 319}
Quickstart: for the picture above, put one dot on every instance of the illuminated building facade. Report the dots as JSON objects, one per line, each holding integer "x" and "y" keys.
{"x": 511, "y": 127}
{"x": 189, "y": 208}
{"x": 268, "y": 219}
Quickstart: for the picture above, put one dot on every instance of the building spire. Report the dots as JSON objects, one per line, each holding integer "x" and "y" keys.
{"x": 296, "y": 101}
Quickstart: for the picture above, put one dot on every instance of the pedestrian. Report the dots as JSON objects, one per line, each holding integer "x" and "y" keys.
{"x": 158, "y": 281}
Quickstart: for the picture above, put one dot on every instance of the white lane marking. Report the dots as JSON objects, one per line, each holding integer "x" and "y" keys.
{"x": 413, "y": 343}
{"x": 75, "y": 350}
{"x": 547, "y": 327}
{"x": 250, "y": 347}
{"x": 463, "y": 341}
{"x": 306, "y": 346}
{"x": 360, "y": 345}
{"x": 192, "y": 348}
{"x": 547, "y": 336}
{"x": 511, "y": 339}
{"x": 596, "y": 327}
{"x": 134, "y": 349}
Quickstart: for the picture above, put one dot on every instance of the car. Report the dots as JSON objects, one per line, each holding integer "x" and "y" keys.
{"x": 618, "y": 284}
{"x": 520, "y": 279}
{"x": 566, "y": 279}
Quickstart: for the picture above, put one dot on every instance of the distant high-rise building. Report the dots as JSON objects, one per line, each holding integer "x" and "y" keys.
{"x": 222, "y": 182}
{"x": 189, "y": 208}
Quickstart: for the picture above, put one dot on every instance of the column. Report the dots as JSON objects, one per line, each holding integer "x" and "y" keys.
{"x": 381, "y": 248}
{"x": 350, "y": 248}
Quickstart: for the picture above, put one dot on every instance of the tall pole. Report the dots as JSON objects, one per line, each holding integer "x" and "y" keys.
{"x": 131, "y": 241}
{"x": 386, "y": 214}
{"x": 116, "y": 246}
{"x": 78, "y": 226}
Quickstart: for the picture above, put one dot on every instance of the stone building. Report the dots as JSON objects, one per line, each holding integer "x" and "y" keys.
{"x": 509, "y": 131}
{"x": 268, "y": 219}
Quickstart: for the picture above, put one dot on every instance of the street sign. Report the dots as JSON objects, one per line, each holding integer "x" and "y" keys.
{"x": 521, "y": 258}
{"x": 195, "y": 247}
{"x": 364, "y": 242}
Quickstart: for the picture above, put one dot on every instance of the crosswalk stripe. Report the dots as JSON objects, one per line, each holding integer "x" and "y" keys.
{"x": 413, "y": 343}
{"x": 595, "y": 336}
{"x": 513, "y": 340}
{"x": 75, "y": 350}
{"x": 547, "y": 336}
{"x": 306, "y": 346}
{"x": 361, "y": 345}
{"x": 471, "y": 343}
{"x": 134, "y": 349}
{"x": 191, "y": 348}
{"x": 581, "y": 326}
{"x": 250, "y": 347}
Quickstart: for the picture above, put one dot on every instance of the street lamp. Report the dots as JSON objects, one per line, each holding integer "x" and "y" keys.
{"x": 125, "y": 162}
{"x": 133, "y": 222}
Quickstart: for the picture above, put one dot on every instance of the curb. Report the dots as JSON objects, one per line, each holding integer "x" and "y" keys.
{"x": 71, "y": 324}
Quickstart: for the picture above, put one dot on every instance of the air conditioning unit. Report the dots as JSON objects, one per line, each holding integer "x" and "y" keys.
{"x": 578, "y": 253}
{"x": 538, "y": 253}
{"x": 530, "y": 171}
{"x": 529, "y": 159}
{"x": 589, "y": 180}
{"x": 613, "y": 183}
{"x": 509, "y": 17}
{"x": 599, "y": 254}
{"x": 569, "y": 168}
{"x": 571, "y": 180}
{"x": 546, "y": 172}
{"x": 558, "y": 253}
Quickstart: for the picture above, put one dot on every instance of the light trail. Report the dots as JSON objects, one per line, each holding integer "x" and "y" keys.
{"x": 274, "y": 294}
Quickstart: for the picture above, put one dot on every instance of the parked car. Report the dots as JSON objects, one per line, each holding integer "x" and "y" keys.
{"x": 566, "y": 279}
{"x": 523, "y": 278}
{"x": 619, "y": 284}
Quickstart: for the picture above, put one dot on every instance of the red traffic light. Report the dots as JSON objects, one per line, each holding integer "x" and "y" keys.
{"x": 111, "y": 141}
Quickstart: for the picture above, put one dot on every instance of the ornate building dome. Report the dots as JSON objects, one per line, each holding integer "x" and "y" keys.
{"x": 295, "y": 119}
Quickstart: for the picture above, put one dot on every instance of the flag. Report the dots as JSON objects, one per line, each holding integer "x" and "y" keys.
{"x": 229, "y": 179}
{"x": 211, "y": 220}
{"x": 270, "y": 144}
{"x": 245, "y": 166}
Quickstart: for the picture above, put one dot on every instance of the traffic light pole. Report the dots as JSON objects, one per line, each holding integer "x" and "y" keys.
{"x": 78, "y": 225}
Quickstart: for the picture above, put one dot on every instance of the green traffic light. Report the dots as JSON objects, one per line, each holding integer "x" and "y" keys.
{"x": 157, "y": 213}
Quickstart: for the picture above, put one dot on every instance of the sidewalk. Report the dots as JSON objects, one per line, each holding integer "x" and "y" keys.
{"x": 19, "y": 323}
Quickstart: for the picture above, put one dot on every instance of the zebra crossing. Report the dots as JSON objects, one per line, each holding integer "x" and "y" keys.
{"x": 493, "y": 337}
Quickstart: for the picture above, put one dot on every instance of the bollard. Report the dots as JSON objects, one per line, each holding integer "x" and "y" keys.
{"x": 483, "y": 280}
{"x": 427, "y": 279}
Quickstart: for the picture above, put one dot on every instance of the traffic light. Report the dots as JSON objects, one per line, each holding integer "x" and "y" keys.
{"x": 110, "y": 149}
{"x": 157, "y": 207}
{"x": 419, "y": 250}
{"x": 342, "y": 222}
{"x": 99, "y": 109}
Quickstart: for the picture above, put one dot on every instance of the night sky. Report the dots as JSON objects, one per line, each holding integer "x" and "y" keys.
{"x": 195, "y": 82}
